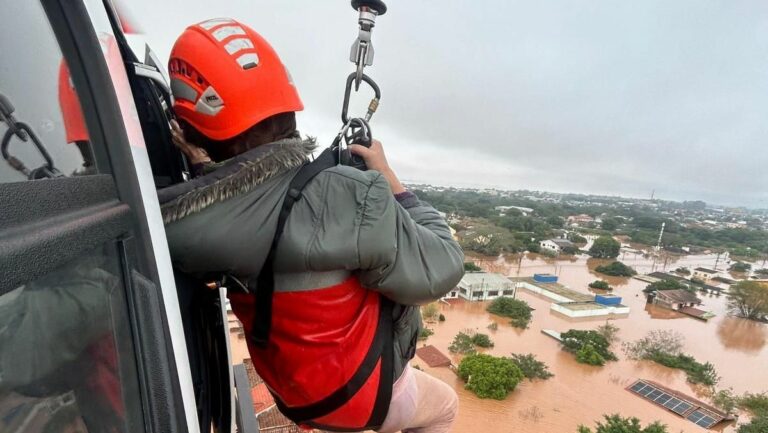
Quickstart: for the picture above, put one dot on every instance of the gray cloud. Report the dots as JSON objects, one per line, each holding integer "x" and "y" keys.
{"x": 600, "y": 96}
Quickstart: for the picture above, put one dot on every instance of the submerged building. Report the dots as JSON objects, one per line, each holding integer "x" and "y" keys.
{"x": 674, "y": 299}
{"x": 569, "y": 302}
{"x": 483, "y": 286}
{"x": 685, "y": 406}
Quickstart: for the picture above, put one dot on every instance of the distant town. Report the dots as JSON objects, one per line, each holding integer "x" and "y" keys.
{"x": 515, "y": 221}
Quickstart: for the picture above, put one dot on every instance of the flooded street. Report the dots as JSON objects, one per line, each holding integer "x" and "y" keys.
{"x": 581, "y": 394}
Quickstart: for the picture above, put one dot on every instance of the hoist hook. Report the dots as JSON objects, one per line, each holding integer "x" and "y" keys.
{"x": 361, "y": 53}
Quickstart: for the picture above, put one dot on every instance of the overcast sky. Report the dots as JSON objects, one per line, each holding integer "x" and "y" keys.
{"x": 592, "y": 96}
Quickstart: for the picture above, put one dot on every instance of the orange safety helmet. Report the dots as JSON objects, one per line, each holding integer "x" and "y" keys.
{"x": 225, "y": 78}
{"x": 71, "y": 111}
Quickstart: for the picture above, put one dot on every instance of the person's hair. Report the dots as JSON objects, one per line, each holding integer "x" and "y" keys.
{"x": 271, "y": 129}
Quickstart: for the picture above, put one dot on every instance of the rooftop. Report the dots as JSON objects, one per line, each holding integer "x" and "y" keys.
{"x": 724, "y": 280}
{"x": 706, "y": 270}
{"x": 262, "y": 399}
{"x": 485, "y": 280}
{"x": 695, "y": 312}
{"x": 582, "y": 306}
{"x": 679, "y": 296}
{"x": 560, "y": 289}
{"x": 269, "y": 417}
{"x": 666, "y": 276}
{"x": 562, "y": 242}
{"x": 683, "y": 405}
{"x": 432, "y": 356}
{"x": 275, "y": 422}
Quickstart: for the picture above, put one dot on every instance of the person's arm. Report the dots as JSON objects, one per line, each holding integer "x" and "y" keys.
{"x": 426, "y": 262}
{"x": 197, "y": 156}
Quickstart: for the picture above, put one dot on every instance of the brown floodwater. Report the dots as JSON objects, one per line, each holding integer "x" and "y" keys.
{"x": 581, "y": 394}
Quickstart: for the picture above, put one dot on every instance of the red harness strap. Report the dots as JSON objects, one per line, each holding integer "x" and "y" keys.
{"x": 329, "y": 358}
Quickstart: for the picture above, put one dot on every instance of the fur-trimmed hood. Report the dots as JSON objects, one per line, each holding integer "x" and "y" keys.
{"x": 236, "y": 176}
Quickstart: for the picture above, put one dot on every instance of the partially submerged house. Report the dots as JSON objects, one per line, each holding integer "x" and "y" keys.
{"x": 674, "y": 299}
{"x": 568, "y": 302}
{"x": 680, "y": 404}
{"x": 704, "y": 274}
{"x": 433, "y": 356}
{"x": 556, "y": 245}
{"x": 483, "y": 286}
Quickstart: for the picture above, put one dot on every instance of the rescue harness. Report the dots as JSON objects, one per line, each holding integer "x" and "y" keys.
{"x": 369, "y": 389}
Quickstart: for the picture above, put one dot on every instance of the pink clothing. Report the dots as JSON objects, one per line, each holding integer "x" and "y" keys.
{"x": 420, "y": 404}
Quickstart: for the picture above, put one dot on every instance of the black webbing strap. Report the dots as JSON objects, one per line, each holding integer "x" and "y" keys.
{"x": 387, "y": 373}
{"x": 381, "y": 349}
{"x": 265, "y": 281}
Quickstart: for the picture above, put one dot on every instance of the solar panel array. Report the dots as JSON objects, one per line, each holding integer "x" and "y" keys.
{"x": 699, "y": 416}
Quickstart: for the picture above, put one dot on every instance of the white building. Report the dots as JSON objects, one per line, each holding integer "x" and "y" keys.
{"x": 482, "y": 286}
{"x": 504, "y": 209}
{"x": 556, "y": 245}
{"x": 453, "y": 294}
{"x": 703, "y": 274}
{"x": 579, "y": 220}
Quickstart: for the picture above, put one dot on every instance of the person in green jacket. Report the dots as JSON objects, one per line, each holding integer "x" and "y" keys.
{"x": 352, "y": 238}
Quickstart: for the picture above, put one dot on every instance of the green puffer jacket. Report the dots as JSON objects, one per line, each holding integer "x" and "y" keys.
{"x": 347, "y": 221}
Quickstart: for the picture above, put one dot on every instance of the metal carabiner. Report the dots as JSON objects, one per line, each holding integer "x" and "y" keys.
{"x": 24, "y": 133}
{"x": 348, "y": 92}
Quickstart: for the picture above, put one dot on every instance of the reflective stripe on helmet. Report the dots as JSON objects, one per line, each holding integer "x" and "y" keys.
{"x": 236, "y": 45}
{"x": 215, "y": 22}
{"x": 224, "y": 32}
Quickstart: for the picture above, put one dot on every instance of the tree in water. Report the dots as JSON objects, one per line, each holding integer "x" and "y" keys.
{"x": 472, "y": 267}
{"x": 430, "y": 312}
{"x": 758, "y": 424}
{"x": 749, "y": 299}
{"x": 425, "y": 333}
{"x": 616, "y": 269}
{"x": 462, "y": 344}
{"x": 605, "y": 247}
{"x": 665, "y": 348}
{"x": 617, "y": 424}
{"x": 609, "y": 331}
{"x": 517, "y": 310}
{"x": 531, "y": 367}
{"x": 600, "y": 285}
{"x": 668, "y": 284}
{"x": 489, "y": 376}
{"x": 588, "y": 355}
{"x": 482, "y": 340}
{"x": 586, "y": 344}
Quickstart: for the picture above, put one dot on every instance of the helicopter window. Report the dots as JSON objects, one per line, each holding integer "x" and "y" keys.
{"x": 42, "y": 129}
{"x": 64, "y": 339}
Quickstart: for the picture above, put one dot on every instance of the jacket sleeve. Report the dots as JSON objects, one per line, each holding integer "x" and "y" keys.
{"x": 406, "y": 250}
